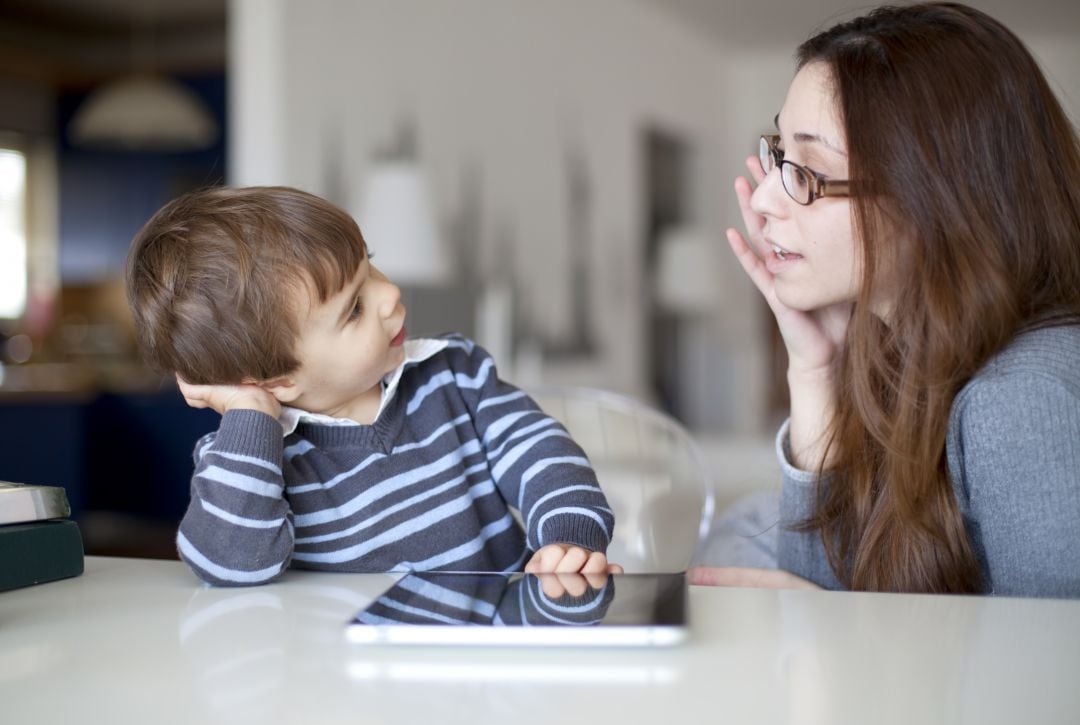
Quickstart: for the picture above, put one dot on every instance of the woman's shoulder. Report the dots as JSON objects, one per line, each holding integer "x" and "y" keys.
{"x": 1029, "y": 390}
{"x": 1040, "y": 358}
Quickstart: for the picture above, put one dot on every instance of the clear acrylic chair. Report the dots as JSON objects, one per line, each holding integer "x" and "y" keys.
{"x": 650, "y": 468}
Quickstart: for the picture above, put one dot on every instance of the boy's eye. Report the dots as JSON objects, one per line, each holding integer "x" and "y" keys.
{"x": 357, "y": 309}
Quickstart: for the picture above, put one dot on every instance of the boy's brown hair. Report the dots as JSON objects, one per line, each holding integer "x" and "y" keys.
{"x": 212, "y": 279}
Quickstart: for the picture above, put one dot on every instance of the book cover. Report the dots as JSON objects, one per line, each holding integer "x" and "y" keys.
{"x": 20, "y": 503}
{"x": 39, "y": 551}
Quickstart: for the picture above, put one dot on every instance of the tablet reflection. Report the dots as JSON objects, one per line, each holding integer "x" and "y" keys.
{"x": 494, "y": 599}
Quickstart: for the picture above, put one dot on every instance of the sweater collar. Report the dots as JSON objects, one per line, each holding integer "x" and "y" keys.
{"x": 416, "y": 351}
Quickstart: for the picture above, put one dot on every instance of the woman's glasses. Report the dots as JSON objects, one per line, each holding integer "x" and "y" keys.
{"x": 801, "y": 184}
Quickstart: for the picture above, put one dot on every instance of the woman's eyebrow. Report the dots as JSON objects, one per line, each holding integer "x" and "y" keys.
{"x": 803, "y": 137}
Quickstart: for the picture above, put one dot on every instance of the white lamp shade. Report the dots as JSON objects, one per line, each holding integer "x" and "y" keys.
{"x": 143, "y": 113}
{"x": 687, "y": 272}
{"x": 396, "y": 218}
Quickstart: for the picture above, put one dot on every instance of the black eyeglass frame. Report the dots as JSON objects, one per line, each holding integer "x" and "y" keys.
{"x": 819, "y": 187}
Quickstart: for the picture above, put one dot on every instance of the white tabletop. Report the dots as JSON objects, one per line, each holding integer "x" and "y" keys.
{"x": 143, "y": 642}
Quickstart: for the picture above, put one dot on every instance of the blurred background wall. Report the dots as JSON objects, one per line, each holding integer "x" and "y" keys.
{"x": 571, "y": 163}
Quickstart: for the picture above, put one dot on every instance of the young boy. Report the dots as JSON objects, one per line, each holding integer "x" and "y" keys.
{"x": 342, "y": 445}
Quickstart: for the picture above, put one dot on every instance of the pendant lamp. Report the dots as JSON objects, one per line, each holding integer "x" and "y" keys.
{"x": 144, "y": 112}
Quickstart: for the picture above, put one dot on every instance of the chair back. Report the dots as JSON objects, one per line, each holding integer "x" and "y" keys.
{"x": 650, "y": 469}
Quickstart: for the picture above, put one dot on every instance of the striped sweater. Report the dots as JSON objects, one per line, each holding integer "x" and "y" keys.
{"x": 428, "y": 486}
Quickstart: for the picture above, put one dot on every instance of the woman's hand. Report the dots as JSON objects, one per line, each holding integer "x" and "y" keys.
{"x": 734, "y": 576}
{"x": 812, "y": 338}
{"x": 229, "y": 397}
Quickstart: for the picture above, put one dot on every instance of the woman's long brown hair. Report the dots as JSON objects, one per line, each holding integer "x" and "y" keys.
{"x": 966, "y": 177}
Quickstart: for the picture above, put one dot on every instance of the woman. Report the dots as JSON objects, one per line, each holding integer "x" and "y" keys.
{"x": 917, "y": 217}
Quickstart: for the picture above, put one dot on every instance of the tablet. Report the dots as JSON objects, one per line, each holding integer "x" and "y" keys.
{"x": 450, "y": 608}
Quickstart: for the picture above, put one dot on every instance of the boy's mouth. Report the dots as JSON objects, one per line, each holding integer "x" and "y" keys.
{"x": 399, "y": 339}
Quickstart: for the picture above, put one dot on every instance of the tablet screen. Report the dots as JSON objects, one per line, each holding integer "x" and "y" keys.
{"x": 434, "y": 608}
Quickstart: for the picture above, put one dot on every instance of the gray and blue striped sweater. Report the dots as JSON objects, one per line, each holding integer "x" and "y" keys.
{"x": 428, "y": 486}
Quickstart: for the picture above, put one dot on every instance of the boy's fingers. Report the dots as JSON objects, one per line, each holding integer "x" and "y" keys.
{"x": 533, "y": 566}
{"x": 547, "y": 558}
{"x": 551, "y": 586}
{"x": 574, "y": 584}
{"x": 595, "y": 564}
{"x": 560, "y": 559}
{"x": 572, "y": 561}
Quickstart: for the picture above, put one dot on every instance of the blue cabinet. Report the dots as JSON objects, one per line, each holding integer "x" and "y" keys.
{"x": 122, "y": 453}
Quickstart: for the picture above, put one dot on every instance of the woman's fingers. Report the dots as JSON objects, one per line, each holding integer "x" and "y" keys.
{"x": 753, "y": 221}
{"x": 755, "y": 269}
{"x": 753, "y": 165}
{"x": 730, "y": 576}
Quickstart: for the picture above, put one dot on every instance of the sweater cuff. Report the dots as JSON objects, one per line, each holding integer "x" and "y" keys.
{"x": 575, "y": 529}
{"x": 252, "y": 433}
{"x": 783, "y": 455}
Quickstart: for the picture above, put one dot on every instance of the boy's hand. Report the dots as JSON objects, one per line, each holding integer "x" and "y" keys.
{"x": 573, "y": 584}
{"x": 566, "y": 559}
{"x": 229, "y": 397}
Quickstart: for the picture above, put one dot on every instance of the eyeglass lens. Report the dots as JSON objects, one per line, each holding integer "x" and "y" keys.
{"x": 796, "y": 181}
{"x": 765, "y": 155}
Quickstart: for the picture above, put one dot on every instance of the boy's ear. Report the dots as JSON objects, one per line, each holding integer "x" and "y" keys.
{"x": 283, "y": 388}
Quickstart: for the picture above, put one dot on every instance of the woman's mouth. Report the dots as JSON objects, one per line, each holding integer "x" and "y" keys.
{"x": 780, "y": 258}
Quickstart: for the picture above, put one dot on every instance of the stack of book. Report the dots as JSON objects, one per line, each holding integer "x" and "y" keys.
{"x": 38, "y": 543}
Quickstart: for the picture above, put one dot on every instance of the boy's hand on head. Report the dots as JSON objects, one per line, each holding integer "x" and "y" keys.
{"x": 566, "y": 559}
{"x": 229, "y": 397}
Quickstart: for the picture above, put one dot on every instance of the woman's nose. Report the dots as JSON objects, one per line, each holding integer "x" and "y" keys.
{"x": 769, "y": 197}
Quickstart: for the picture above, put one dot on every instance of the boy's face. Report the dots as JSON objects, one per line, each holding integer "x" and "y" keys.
{"x": 346, "y": 345}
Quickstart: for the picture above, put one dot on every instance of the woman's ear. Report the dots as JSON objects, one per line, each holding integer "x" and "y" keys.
{"x": 283, "y": 388}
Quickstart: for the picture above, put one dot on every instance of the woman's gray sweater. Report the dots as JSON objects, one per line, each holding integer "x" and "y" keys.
{"x": 1013, "y": 448}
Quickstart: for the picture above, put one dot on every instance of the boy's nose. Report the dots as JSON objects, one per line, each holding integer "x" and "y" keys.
{"x": 389, "y": 297}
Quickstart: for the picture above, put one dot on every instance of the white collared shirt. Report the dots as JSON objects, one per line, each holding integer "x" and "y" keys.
{"x": 416, "y": 351}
